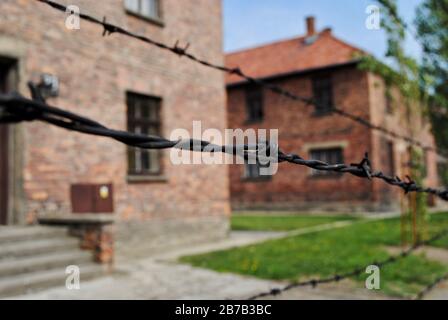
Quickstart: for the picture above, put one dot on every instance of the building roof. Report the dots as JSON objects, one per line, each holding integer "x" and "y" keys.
{"x": 284, "y": 57}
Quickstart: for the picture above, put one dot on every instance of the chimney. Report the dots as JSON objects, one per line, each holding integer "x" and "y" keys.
{"x": 310, "y": 26}
{"x": 327, "y": 31}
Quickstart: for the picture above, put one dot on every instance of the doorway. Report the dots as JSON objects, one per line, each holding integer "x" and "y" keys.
{"x": 7, "y": 83}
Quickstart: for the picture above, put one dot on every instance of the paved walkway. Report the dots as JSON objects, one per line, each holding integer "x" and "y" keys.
{"x": 160, "y": 277}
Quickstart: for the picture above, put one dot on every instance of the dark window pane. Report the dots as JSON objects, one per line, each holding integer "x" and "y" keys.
{"x": 143, "y": 118}
{"x": 254, "y": 104}
{"x": 253, "y": 171}
{"x": 389, "y": 104}
{"x": 323, "y": 94}
{"x": 146, "y": 8}
{"x": 330, "y": 156}
{"x": 387, "y": 157}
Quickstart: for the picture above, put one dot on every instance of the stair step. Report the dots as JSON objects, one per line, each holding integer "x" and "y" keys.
{"x": 36, "y": 281}
{"x": 17, "y": 266}
{"x": 28, "y": 248}
{"x": 17, "y": 234}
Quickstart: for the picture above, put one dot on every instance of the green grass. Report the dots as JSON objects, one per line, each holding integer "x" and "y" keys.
{"x": 282, "y": 223}
{"x": 335, "y": 251}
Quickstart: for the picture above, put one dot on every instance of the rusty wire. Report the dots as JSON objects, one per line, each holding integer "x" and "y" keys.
{"x": 361, "y": 270}
{"x": 17, "y": 108}
{"x": 109, "y": 29}
{"x": 430, "y": 287}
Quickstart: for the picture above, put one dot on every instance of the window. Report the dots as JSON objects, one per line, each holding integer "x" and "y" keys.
{"x": 331, "y": 156}
{"x": 425, "y": 163}
{"x": 323, "y": 94}
{"x": 253, "y": 171}
{"x": 145, "y": 8}
{"x": 143, "y": 118}
{"x": 389, "y": 102}
{"x": 388, "y": 157}
{"x": 254, "y": 102}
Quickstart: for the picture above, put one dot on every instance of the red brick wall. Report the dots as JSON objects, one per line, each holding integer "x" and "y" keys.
{"x": 94, "y": 74}
{"x": 355, "y": 91}
{"x": 299, "y": 128}
{"x": 405, "y": 120}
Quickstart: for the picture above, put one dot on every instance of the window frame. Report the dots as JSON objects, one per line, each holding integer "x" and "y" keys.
{"x": 252, "y": 93}
{"x": 150, "y": 124}
{"x": 152, "y": 19}
{"x": 388, "y": 147}
{"x": 389, "y": 101}
{"x": 326, "y": 174}
{"x": 314, "y": 80}
{"x": 249, "y": 177}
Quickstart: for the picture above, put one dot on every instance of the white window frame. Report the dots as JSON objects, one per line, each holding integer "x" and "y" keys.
{"x": 136, "y": 7}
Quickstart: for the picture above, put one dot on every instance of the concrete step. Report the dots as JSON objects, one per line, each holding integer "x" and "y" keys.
{"x": 17, "y": 266}
{"x": 17, "y": 234}
{"x": 36, "y": 281}
{"x": 37, "y": 247}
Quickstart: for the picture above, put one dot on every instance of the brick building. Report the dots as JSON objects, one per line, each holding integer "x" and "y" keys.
{"x": 125, "y": 84}
{"x": 322, "y": 66}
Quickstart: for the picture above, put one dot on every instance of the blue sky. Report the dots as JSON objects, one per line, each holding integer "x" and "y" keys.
{"x": 248, "y": 23}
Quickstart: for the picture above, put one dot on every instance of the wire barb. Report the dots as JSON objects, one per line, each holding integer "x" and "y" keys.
{"x": 108, "y": 28}
{"x": 180, "y": 51}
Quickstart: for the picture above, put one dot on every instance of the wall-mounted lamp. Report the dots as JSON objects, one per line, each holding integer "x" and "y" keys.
{"x": 48, "y": 85}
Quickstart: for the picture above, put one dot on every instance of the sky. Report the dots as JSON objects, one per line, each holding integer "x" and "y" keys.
{"x": 248, "y": 23}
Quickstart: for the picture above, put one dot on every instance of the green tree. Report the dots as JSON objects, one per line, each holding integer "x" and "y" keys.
{"x": 432, "y": 31}
{"x": 413, "y": 80}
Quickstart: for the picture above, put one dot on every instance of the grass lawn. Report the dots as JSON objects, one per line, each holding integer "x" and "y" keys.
{"x": 282, "y": 223}
{"x": 334, "y": 251}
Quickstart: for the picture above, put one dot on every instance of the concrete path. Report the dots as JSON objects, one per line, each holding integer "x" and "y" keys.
{"x": 160, "y": 277}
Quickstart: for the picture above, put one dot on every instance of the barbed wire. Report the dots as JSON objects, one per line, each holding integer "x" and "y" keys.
{"x": 17, "y": 108}
{"x": 109, "y": 29}
{"x": 430, "y": 287}
{"x": 358, "y": 271}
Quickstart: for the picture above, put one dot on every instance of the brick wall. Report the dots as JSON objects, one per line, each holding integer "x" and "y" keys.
{"x": 300, "y": 130}
{"x": 294, "y": 187}
{"x": 406, "y": 120}
{"x": 94, "y": 74}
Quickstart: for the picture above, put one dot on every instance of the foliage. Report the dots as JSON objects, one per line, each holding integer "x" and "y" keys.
{"x": 407, "y": 75}
{"x": 432, "y": 30}
{"x": 404, "y": 73}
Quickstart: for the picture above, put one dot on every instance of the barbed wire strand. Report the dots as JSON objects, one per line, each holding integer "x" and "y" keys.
{"x": 430, "y": 287}
{"x": 109, "y": 29}
{"x": 17, "y": 108}
{"x": 76, "y": 123}
{"x": 59, "y": 118}
{"x": 358, "y": 271}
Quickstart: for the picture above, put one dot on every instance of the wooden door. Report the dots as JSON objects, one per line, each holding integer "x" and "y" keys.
{"x": 5, "y": 83}
{"x": 4, "y": 192}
